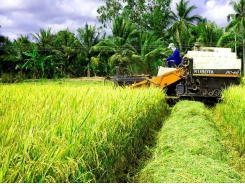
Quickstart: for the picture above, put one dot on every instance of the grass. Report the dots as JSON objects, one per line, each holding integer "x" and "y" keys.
{"x": 70, "y": 132}
{"x": 188, "y": 150}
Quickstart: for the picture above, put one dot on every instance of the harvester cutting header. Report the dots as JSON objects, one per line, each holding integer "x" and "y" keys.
{"x": 203, "y": 72}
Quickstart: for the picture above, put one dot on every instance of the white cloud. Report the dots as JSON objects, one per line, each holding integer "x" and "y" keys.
{"x": 211, "y": 4}
{"x": 80, "y": 7}
{"x": 4, "y": 20}
{"x": 214, "y": 10}
{"x": 9, "y": 4}
{"x": 28, "y": 16}
{"x": 217, "y": 12}
{"x": 72, "y": 25}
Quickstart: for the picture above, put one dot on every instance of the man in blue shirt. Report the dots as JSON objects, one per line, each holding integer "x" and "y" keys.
{"x": 175, "y": 59}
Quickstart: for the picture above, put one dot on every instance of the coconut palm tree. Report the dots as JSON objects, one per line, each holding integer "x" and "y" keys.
{"x": 7, "y": 55}
{"x": 237, "y": 20}
{"x": 66, "y": 50}
{"x": 237, "y": 23}
{"x": 208, "y": 33}
{"x": 181, "y": 21}
{"x": 153, "y": 49}
{"x": 39, "y": 58}
{"x": 119, "y": 47}
{"x": 88, "y": 37}
{"x": 44, "y": 40}
{"x": 228, "y": 40}
{"x": 23, "y": 44}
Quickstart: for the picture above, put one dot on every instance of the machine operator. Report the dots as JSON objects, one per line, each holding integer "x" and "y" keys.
{"x": 175, "y": 59}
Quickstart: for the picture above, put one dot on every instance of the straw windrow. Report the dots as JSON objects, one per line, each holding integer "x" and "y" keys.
{"x": 188, "y": 150}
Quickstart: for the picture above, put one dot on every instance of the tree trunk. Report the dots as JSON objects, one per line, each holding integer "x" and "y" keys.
{"x": 88, "y": 72}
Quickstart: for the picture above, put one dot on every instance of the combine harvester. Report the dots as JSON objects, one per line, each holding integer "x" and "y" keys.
{"x": 203, "y": 74}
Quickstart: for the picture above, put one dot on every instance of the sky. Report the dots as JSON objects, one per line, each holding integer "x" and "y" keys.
{"x": 21, "y": 17}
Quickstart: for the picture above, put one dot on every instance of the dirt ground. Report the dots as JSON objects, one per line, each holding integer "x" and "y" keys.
{"x": 85, "y": 79}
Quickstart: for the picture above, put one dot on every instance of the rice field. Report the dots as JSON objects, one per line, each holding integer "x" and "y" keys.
{"x": 71, "y": 132}
{"x": 91, "y": 132}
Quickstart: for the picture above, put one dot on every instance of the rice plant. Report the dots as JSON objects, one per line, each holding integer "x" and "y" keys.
{"x": 58, "y": 132}
{"x": 231, "y": 116}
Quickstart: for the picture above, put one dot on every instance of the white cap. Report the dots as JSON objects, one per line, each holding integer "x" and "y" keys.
{"x": 171, "y": 45}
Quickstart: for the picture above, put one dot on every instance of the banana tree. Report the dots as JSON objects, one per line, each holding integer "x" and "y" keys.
{"x": 35, "y": 64}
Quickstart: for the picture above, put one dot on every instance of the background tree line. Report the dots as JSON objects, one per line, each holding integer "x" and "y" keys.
{"x": 140, "y": 33}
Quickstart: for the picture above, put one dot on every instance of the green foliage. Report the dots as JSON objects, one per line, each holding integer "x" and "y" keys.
{"x": 231, "y": 40}
{"x": 35, "y": 64}
{"x": 12, "y": 77}
{"x": 153, "y": 50}
{"x": 118, "y": 49}
{"x": 44, "y": 39}
{"x": 88, "y": 37}
{"x": 210, "y": 34}
{"x": 140, "y": 31}
{"x": 181, "y": 22}
{"x": 109, "y": 11}
{"x": 237, "y": 21}
{"x": 10, "y": 55}
{"x": 7, "y": 78}
{"x": 146, "y": 15}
